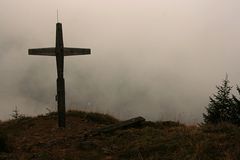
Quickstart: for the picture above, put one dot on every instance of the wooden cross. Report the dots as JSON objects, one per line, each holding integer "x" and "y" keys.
{"x": 60, "y": 51}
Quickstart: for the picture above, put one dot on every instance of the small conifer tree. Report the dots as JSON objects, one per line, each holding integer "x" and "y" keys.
{"x": 16, "y": 114}
{"x": 220, "y": 107}
{"x": 235, "y": 113}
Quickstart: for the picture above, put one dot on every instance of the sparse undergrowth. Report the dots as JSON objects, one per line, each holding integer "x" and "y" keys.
{"x": 39, "y": 139}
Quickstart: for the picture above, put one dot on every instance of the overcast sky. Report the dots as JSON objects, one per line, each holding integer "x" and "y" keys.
{"x": 160, "y": 59}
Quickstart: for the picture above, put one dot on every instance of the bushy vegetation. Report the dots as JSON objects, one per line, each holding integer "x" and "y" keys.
{"x": 223, "y": 106}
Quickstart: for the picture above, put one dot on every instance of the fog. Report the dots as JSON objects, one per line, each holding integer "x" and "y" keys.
{"x": 160, "y": 59}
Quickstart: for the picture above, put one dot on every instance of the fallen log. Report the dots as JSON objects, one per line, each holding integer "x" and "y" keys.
{"x": 134, "y": 122}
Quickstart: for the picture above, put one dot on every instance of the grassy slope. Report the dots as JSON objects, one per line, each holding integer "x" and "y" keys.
{"x": 39, "y": 138}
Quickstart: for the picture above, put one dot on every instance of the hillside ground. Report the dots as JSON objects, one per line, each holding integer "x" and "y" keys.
{"x": 39, "y": 138}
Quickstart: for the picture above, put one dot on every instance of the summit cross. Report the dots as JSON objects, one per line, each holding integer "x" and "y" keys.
{"x": 59, "y": 51}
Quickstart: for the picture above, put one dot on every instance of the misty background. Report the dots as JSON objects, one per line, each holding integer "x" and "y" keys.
{"x": 160, "y": 59}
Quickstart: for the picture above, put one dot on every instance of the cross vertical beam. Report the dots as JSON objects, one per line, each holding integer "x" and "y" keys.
{"x": 59, "y": 51}
{"x": 60, "y": 79}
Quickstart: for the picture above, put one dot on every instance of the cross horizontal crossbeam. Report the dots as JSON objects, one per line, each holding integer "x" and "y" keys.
{"x": 52, "y": 52}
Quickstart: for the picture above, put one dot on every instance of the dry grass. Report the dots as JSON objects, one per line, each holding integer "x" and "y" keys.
{"x": 39, "y": 138}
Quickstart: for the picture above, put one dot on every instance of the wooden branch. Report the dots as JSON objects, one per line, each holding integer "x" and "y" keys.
{"x": 121, "y": 125}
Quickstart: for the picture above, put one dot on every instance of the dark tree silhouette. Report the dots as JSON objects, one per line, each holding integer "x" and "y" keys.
{"x": 235, "y": 113}
{"x": 221, "y": 105}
